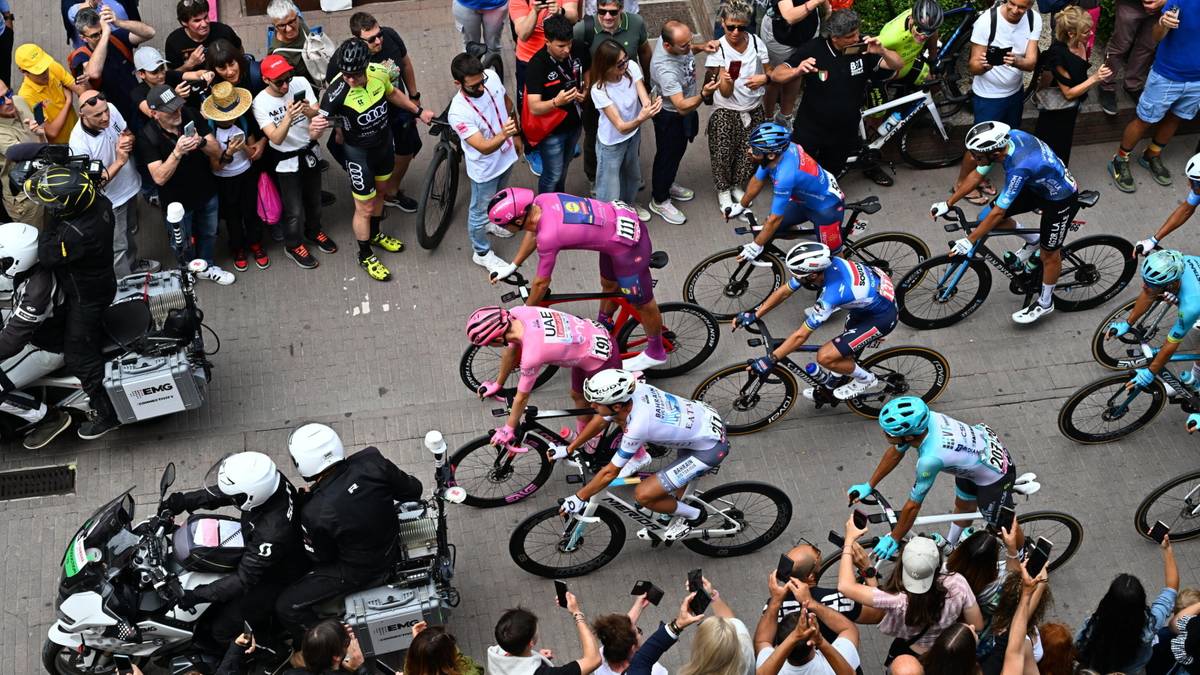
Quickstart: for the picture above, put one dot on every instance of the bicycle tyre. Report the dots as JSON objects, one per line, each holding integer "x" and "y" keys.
{"x": 433, "y": 223}
{"x": 1069, "y": 426}
{"x": 1088, "y": 269}
{"x": 477, "y": 451}
{"x": 770, "y": 532}
{"x": 915, "y": 284}
{"x": 896, "y": 253}
{"x": 517, "y": 544}
{"x": 711, "y": 283}
{"x": 485, "y": 361}
{"x": 899, "y": 378}
{"x": 922, "y": 144}
{"x": 690, "y": 333}
{"x": 1108, "y": 353}
{"x": 722, "y": 389}
{"x": 1142, "y": 518}
{"x": 1062, "y": 552}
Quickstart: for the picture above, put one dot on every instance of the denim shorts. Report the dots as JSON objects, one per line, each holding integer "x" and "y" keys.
{"x": 1162, "y": 95}
{"x": 1006, "y": 109}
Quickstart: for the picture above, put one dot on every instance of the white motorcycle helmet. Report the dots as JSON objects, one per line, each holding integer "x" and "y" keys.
{"x": 314, "y": 448}
{"x": 250, "y": 477}
{"x": 18, "y": 248}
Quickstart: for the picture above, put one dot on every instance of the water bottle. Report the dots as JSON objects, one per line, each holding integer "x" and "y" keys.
{"x": 1032, "y": 263}
{"x": 890, "y": 123}
{"x": 818, "y": 375}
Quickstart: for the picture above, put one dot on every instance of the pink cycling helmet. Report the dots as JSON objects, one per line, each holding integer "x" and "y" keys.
{"x": 486, "y": 324}
{"x": 509, "y": 204}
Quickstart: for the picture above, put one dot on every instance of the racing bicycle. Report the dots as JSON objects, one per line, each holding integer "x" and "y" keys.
{"x": 747, "y": 402}
{"x": 925, "y": 143}
{"x": 944, "y": 290}
{"x": 1152, "y": 327}
{"x": 1176, "y": 503}
{"x": 726, "y": 286}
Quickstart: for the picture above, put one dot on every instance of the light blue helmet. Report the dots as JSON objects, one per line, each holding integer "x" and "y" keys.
{"x": 769, "y": 137}
{"x": 904, "y": 416}
{"x": 1162, "y": 267}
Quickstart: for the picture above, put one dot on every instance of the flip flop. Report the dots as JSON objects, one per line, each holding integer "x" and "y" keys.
{"x": 977, "y": 197}
{"x": 986, "y": 188}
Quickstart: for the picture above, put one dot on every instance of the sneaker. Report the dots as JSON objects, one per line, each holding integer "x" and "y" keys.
{"x": 389, "y": 244}
{"x": 668, "y": 212}
{"x": 54, "y": 423}
{"x": 401, "y": 201}
{"x": 497, "y": 231}
{"x": 641, "y": 362}
{"x": 301, "y": 256}
{"x": 855, "y": 388}
{"x": 239, "y": 260}
{"x": 643, "y": 213}
{"x": 535, "y": 162}
{"x": 327, "y": 198}
{"x": 783, "y": 120}
{"x": 592, "y": 188}
{"x": 680, "y": 193}
{"x": 144, "y": 266}
{"x": 737, "y": 194}
{"x": 217, "y": 275}
{"x": 1118, "y": 170}
{"x": 491, "y": 262}
{"x": 724, "y": 201}
{"x": 1108, "y": 101}
{"x": 1032, "y": 313}
{"x": 260, "y": 256}
{"x": 95, "y": 426}
{"x": 276, "y": 231}
{"x": 1156, "y": 168}
{"x": 879, "y": 176}
{"x": 152, "y": 200}
{"x": 324, "y": 243}
{"x": 375, "y": 268}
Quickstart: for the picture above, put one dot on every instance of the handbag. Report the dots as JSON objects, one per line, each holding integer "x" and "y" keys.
{"x": 1051, "y": 98}
{"x": 270, "y": 205}
{"x": 336, "y": 5}
{"x": 537, "y": 127}
{"x": 316, "y": 53}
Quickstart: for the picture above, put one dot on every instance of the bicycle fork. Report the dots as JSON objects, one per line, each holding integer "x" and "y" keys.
{"x": 954, "y": 275}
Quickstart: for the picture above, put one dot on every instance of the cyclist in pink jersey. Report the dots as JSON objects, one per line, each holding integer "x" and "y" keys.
{"x": 536, "y": 337}
{"x": 556, "y": 221}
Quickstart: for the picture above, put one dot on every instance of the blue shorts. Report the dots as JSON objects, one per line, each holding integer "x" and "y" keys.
{"x": 1006, "y": 109}
{"x": 862, "y": 329}
{"x": 1162, "y": 96}
{"x": 827, "y": 222}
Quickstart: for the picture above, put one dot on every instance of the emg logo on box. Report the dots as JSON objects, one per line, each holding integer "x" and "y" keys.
{"x": 150, "y": 391}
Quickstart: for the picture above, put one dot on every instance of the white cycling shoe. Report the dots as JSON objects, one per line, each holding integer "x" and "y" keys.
{"x": 1032, "y": 313}
{"x": 641, "y": 362}
{"x": 855, "y": 388}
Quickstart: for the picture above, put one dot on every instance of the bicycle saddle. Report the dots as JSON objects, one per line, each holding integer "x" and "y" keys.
{"x": 659, "y": 260}
{"x": 1088, "y": 198}
{"x": 869, "y": 205}
{"x": 1027, "y": 484}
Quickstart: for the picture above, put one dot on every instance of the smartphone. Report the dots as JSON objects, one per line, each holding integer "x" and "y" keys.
{"x": 695, "y": 580}
{"x": 735, "y": 69}
{"x": 653, "y": 593}
{"x": 236, "y": 135}
{"x": 853, "y": 50}
{"x": 189, "y": 129}
{"x": 1004, "y": 521}
{"x": 1159, "y": 531}
{"x": 836, "y": 539}
{"x": 560, "y": 589}
{"x": 699, "y": 602}
{"x": 298, "y": 97}
{"x": 123, "y": 664}
{"x": 783, "y": 569}
{"x": 995, "y": 55}
{"x": 39, "y": 113}
{"x": 1037, "y": 560}
{"x": 860, "y": 519}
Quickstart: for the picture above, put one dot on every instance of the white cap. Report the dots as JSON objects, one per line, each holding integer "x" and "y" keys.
{"x": 434, "y": 442}
{"x": 920, "y": 560}
{"x": 147, "y": 58}
{"x": 174, "y": 212}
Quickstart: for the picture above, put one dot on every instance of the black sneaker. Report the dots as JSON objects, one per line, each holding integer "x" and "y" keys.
{"x": 327, "y": 198}
{"x": 1108, "y": 101}
{"x": 879, "y": 176}
{"x": 301, "y": 256}
{"x": 96, "y": 426}
{"x": 401, "y": 201}
{"x": 323, "y": 242}
{"x": 54, "y": 423}
{"x": 240, "y": 263}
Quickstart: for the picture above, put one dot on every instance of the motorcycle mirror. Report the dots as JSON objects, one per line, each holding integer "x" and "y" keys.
{"x": 168, "y": 478}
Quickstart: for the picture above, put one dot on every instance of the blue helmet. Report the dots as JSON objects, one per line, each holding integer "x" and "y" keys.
{"x": 904, "y": 416}
{"x": 1162, "y": 267}
{"x": 769, "y": 137}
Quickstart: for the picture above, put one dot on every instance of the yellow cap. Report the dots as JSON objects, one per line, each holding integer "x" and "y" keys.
{"x": 32, "y": 59}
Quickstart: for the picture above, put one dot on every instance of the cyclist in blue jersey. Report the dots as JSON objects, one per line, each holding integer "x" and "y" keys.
{"x": 984, "y": 471}
{"x": 1035, "y": 178}
{"x": 1166, "y": 272}
{"x": 1181, "y": 214}
{"x": 803, "y": 190}
{"x": 865, "y": 291}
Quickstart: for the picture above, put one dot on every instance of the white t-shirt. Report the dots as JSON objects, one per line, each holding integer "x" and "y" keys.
{"x": 241, "y": 160}
{"x": 1002, "y": 81}
{"x": 269, "y": 109}
{"x": 486, "y": 115}
{"x": 103, "y": 146}
{"x": 818, "y": 665}
{"x": 752, "y": 59}
{"x": 624, "y": 95}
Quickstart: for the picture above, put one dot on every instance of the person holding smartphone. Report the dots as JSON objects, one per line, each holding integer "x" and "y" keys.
{"x": 516, "y": 650}
{"x": 242, "y": 144}
{"x": 49, "y": 84}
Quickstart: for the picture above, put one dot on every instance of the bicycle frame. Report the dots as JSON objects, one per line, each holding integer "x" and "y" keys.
{"x": 918, "y": 100}
{"x": 950, "y": 48}
{"x": 769, "y": 343}
{"x": 852, "y": 224}
{"x": 1182, "y": 395}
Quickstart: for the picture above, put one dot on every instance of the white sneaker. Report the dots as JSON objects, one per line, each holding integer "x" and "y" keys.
{"x": 643, "y": 214}
{"x": 855, "y": 388}
{"x": 641, "y": 362}
{"x": 724, "y": 201}
{"x": 639, "y": 460}
{"x": 668, "y": 212}
{"x": 1032, "y": 313}
{"x": 220, "y": 276}
{"x": 497, "y": 231}
{"x": 738, "y": 193}
{"x": 491, "y": 262}
{"x": 681, "y": 193}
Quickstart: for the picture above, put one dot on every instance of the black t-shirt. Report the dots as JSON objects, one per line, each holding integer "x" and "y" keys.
{"x": 794, "y": 34}
{"x": 834, "y": 94}
{"x": 179, "y": 45}
{"x": 193, "y": 183}
{"x": 142, "y": 90}
{"x": 394, "y": 50}
{"x": 571, "y": 668}
{"x": 1060, "y": 56}
{"x": 547, "y": 77}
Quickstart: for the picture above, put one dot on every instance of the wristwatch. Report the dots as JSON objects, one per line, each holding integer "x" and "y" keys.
{"x": 416, "y": 96}
{"x": 870, "y": 573}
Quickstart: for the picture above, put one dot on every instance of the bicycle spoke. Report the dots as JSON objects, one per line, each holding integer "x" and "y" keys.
{"x": 756, "y": 512}
{"x": 739, "y": 410}
{"x": 1091, "y": 267}
{"x": 934, "y": 300}
{"x": 727, "y": 286}
{"x": 544, "y": 544}
{"x": 916, "y": 375}
{"x": 1178, "y": 508}
{"x": 492, "y": 474}
{"x": 1104, "y": 411}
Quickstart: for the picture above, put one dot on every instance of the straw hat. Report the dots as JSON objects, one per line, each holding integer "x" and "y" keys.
{"x": 226, "y": 102}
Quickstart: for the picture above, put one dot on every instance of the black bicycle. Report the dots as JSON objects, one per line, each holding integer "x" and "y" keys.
{"x": 1119, "y": 352}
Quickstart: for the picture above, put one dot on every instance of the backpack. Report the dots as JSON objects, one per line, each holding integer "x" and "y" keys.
{"x": 1038, "y": 68}
{"x": 113, "y": 41}
{"x": 316, "y": 53}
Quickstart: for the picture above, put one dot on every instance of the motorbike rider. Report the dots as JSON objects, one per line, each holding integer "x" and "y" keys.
{"x": 272, "y": 557}
{"x": 76, "y": 244}
{"x": 32, "y": 336}
{"x": 347, "y": 519}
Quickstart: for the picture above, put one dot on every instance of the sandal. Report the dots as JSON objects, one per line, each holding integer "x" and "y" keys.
{"x": 986, "y": 188}
{"x": 977, "y": 197}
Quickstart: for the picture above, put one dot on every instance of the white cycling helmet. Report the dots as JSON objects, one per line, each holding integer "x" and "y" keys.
{"x": 18, "y": 248}
{"x": 987, "y": 137}
{"x": 314, "y": 448}
{"x": 610, "y": 386}
{"x": 1193, "y": 167}
{"x": 808, "y": 258}
{"x": 250, "y": 477}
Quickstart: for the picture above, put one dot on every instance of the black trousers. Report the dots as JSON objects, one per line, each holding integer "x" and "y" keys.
{"x": 237, "y": 197}
{"x": 830, "y": 147}
{"x": 296, "y": 606}
{"x": 222, "y": 622}
{"x": 672, "y": 133}
{"x": 6, "y": 51}
{"x": 83, "y": 338}
{"x": 301, "y": 194}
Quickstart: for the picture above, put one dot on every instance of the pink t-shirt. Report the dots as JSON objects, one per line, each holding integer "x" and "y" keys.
{"x": 958, "y": 598}
{"x": 560, "y": 339}
{"x": 570, "y": 222}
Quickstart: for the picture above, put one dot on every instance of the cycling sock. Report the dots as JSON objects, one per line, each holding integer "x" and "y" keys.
{"x": 605, "y": 320}
{"x": 956, "y": 531}
{"x": 1123, "y": 153}
{"x": 686, "y": 510}
{"x": 375, "y": 221}
{"x": 1044, "y": 299}
{"x": 861, "y": 375}
{"x": 364, "y": 250}
{"x": 1153, "y": 150}
{"x": 654, "y": 347}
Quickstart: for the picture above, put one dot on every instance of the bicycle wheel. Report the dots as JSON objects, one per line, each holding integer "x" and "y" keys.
{"x": 762, "y": 511}
{"x": 492, "y": 477}
{"x": 1176, "y": 503}
{"x": 1105, "y": 411}
{"x": 482, "y": 364}
{"x": 724, "y": 286}
{"x": 747, "y": 411}
{"x": 923, "y": 146}
{"x": 905, "y": 371}
{"x": 690, "y": 335}
{"x": 1094, "y": 269}
{"x": 896, "y": 253}
{"x": 436, "y": 205}
{"x": 1156, "y": 321}
{"x": 545, "y": 545}
{"x": 929, "y": 297}
{"x": 1062, "y": 529}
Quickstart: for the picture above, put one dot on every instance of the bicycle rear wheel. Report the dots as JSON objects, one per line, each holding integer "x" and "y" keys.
{"x": 1063, "y": 529}
{"x": 482, "y": 364}
{"x": 1176, "y": 503}
{"x": 923, "y": 145}
{"x": 1155, "y": 322}
{"x": 763, "y": 511}
{"x": 929, "y": 297}
{"x": 492, "y": 477}
{"x": 724, "y": 286}
{"x": 905, "y": 371}
{"x": 896, "y": 253}
{"x": 690, "y": 335}
{"x": 1094, "y": 269}
{"x": 545, "y": 545}
{"x": 438, "y": 196}
{"x": 1104, "y": 411}
{"x": 745, "y": 409}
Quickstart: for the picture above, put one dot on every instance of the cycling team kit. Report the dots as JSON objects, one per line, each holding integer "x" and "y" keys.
{"x": 560, "y": 339}
{"x": 691, "y": 427}
{"x": 366, "y": 131}
{"x": 803, "y": 192}
{"x": 897, "y": 36}
{"x": 1035, "y": 178}
{"x": 983, "y": 469}
{"x": 1189, "y": 299}
{"x": 865, "y": 291}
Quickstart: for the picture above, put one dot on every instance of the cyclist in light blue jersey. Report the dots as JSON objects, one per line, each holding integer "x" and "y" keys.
{"x": 865, "y": 291}
{"x": 1181, "y": 214}
{"x": 1166, "y": 272}
{"x": 984, "y": 472}
{"x": 1035, "y": 178}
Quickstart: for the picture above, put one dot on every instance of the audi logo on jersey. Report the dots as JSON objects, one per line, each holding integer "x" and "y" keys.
{"x": 373, "y": 115}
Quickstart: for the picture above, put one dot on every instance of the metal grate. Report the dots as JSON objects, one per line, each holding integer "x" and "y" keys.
{"x": 47, "y": 480}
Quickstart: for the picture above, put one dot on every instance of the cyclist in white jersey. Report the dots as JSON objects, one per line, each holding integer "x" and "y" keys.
{"x": 649, "y": 415}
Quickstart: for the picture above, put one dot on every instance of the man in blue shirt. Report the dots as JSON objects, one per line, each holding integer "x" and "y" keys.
{"x": 106, "y": 56}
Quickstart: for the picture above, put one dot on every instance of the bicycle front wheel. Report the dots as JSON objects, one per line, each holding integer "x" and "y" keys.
{"x": 1176, "y": 503}
{"x": 1061, "y": 528}
{"x": 744, "y": 407}
{"x": 924, "y": 146}
{"x": 546, "y": 545}
{"x": 1155, "y": 322}
{"x": 724, "y": 286}
{"x": 1094, "y": 269}
{"x": 492, "y": 477}
{"x": 690, "y": 334}
{"x": 942, "y": 291}
{"x": 436, "y": 206}
{"x": 896, "y": 253}
{"x": 482, "y": 364}
{"x": 1105, "y": 411}
{"x": 905, "y": 371}
{"x": 760, "y": 513}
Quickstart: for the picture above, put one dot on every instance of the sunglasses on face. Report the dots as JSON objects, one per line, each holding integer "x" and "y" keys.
{"x": 608, "y": 12}
{"x": 6, "y": 96}
{"x": 92, "y": 101}
{"x": 622, "y": 64}
{"x": 473, "y": 88}
{"x": 735, "y": 28}
{"x": 286, "y": 79}
{"x": 374, "y": 38}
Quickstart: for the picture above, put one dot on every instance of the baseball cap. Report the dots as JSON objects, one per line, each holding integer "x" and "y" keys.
{"x": 148, "y": 58}
{"x": 920, "y": 560}
{"x": 163, "y": 99}
{"x": 32, "y": 58}
{"x": 275, "y": 66}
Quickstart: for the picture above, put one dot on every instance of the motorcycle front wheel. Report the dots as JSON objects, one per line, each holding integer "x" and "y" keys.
{"x": 60, "y": 660}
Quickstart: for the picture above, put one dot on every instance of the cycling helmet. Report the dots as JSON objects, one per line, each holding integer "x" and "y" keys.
{"x": 509, "y": 204}
{"x": 987, "y": 137}
{"x": 18, "y": 248}
{"x": 904, "y": 416}
{"x": 314, "y": 448}
{"x": 486, "y": 324}
{"x": 808, "y": 258}
{"x": 927, "y": 16}
{"x": 1193, "y": 167}
{"x": 354, "y": 56}
{"x": 63, "y": 190}
{"x": 610, "y": 386}
{"x": 249, "y": 477}
{"x": 769, "y": 137}
{"x": 1162, "y": 267}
